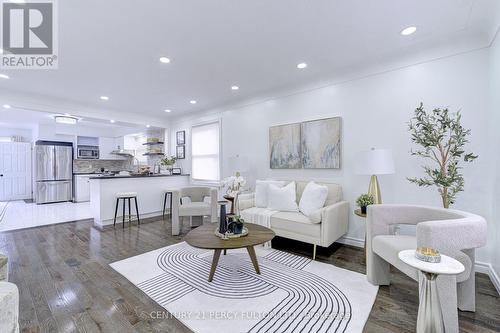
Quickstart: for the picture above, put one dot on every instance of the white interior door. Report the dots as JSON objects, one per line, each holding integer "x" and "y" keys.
{"x": 15, "y": 171}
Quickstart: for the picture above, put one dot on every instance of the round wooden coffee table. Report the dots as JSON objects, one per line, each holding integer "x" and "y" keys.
{"x": 203, "y": 237}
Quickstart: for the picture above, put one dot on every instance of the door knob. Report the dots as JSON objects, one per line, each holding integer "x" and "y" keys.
{"x": 1, "y": 175}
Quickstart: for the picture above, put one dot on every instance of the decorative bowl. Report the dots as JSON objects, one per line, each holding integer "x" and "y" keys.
{"x": 428, "y": 254}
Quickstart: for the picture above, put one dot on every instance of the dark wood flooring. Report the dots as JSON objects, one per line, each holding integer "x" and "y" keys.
{"x": 66, "y": 284}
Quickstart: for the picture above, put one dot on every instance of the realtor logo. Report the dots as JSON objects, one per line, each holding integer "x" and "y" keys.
{"x": 29, "y": 35}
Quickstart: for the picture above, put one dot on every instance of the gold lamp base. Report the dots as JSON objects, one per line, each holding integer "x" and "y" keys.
{"x": 374, "y": 190}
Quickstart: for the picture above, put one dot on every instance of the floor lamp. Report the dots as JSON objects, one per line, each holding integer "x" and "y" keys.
{"x": 375, "y": 162}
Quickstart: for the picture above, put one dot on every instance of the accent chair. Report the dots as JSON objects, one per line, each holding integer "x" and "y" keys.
{"x": 198, "y": 202}
{"x": 453, "y": 233}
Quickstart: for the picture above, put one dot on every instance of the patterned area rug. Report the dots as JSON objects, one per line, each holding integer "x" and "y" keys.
{"x": 292, "y": 294}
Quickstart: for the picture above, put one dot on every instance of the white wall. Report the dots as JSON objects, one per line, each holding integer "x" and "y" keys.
{"x": 494, "y": 109}
{"x": 27, "y": 134}
{"x": 375, "y": 111}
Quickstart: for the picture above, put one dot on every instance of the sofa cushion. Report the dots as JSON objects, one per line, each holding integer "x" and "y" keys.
{"x": 282, "y": 198}
{"x": 334, "y": 191}
{"x": 313, "y": 198}
{"x": 194, "y": 209}
{"x": 262, "y": 189}
{"x": 316, "y": 216}
{"x": 295, "y": 222}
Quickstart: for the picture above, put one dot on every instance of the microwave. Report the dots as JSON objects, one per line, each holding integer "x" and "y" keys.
{"x": 88, "y": 152}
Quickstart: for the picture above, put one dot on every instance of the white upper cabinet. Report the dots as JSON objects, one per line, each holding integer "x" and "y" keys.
{"x": 107, "y": 145}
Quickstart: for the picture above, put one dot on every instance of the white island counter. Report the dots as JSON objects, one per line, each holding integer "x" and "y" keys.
{"x": 150, "y": 193}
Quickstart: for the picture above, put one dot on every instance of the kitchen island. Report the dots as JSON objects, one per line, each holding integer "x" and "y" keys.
{"x": 150, "y": 192}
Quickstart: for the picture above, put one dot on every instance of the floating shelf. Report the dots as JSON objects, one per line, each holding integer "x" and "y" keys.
{"x": 153, "y": 143}
{"x": 153, "y": 154}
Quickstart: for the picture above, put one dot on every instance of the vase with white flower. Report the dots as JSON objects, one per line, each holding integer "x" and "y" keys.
{"x": 234, "y": 185}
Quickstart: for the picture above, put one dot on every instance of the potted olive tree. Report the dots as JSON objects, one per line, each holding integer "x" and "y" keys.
{"x": 442, "y": 141}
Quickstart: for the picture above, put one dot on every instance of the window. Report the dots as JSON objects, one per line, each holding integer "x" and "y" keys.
{"x": 205, "y": 148}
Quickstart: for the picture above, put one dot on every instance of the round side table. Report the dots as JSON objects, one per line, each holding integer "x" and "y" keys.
{"x": 430, "y": 316}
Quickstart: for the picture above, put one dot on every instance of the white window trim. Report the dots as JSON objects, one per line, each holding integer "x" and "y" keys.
{"x": 202, "y": 181}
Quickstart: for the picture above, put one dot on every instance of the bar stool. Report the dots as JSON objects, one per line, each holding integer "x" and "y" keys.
{"x": 167, "y": 193}
{"x": 126, "y": 196}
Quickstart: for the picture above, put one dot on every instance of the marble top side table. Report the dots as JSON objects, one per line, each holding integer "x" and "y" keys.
{"x": 430, "y": 316}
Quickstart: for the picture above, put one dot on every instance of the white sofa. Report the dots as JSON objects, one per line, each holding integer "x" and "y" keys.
{"x": 328, "y": 225}
{"x": 451, "y": 232}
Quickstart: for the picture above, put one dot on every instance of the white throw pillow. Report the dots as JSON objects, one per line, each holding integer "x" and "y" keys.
{"x": 282, "y": 198}
{"x": 313, "y": 198}
{"x": 316, "y": 216}
{"x": 186, "y": 200}
{"x": 262, "y": 189}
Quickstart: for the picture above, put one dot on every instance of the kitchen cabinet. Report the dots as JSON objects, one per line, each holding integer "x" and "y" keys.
{"x": 82, "y": 188}
{"x": 107, "y": 145}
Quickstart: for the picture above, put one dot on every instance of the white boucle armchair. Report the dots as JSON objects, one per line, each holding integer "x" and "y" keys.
{"x": 202, "y": 202}
{"x": 452, "y": 232}
{"x": 9, "y": 300}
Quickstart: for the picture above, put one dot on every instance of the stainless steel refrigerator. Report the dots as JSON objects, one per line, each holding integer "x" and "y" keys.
{"x": 53, "y": 171}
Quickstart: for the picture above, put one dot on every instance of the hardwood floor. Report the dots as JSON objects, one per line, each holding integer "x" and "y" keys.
{"x": 66, "y": 284}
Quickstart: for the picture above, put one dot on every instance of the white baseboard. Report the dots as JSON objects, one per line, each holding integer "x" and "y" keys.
{"x": 347, "y": 240}
{"x": 487, "y": 268}
{"x": 481, "y": 267}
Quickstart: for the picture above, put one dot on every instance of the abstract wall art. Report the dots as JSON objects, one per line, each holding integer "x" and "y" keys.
{"x": 284, "y": 147}
{"x": 312, "y": 144}
{"x": 321, "y": 143}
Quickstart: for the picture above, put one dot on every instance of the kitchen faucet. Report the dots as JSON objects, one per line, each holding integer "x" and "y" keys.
{"x": 138, "y": 164}
{"x": 157, "y": 164}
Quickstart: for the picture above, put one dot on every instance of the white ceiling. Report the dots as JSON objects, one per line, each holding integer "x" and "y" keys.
{"x": 30, "y": 119}
{"x": 112, "y": 47}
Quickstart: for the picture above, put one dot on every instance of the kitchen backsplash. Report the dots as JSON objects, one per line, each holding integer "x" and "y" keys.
{"x": 96, "y": 165}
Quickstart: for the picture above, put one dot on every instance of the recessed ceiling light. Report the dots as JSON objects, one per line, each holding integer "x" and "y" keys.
{"x": 66, "y": 120}
{"x": 6, "y": 106}
{"x": 112, "y": 121}
{"x": 302, "y": 65}
{"x": 192, "y": 101}
{"x": 4, "y": 76}
{"x": 104, "y": 98}
{"x": 235, "y": 88}
{"x": 148, "y": 126}
{"x": 168, "y": 110}
{"x": 408, "y": 31}
{"x": 164, "y": 60}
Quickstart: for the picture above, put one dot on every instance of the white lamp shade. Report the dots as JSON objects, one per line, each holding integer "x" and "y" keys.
{"x": 375, "y": 162}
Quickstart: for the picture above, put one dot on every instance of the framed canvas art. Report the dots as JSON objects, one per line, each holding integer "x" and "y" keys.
{"x": 284, "y": 146}
{"x": 181, "y": 137}
{"x": 321, "y": 143}
{"x": 180, "y": 152}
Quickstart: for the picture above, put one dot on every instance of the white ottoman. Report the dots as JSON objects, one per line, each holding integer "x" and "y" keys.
{"x": 9, "y": 308}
